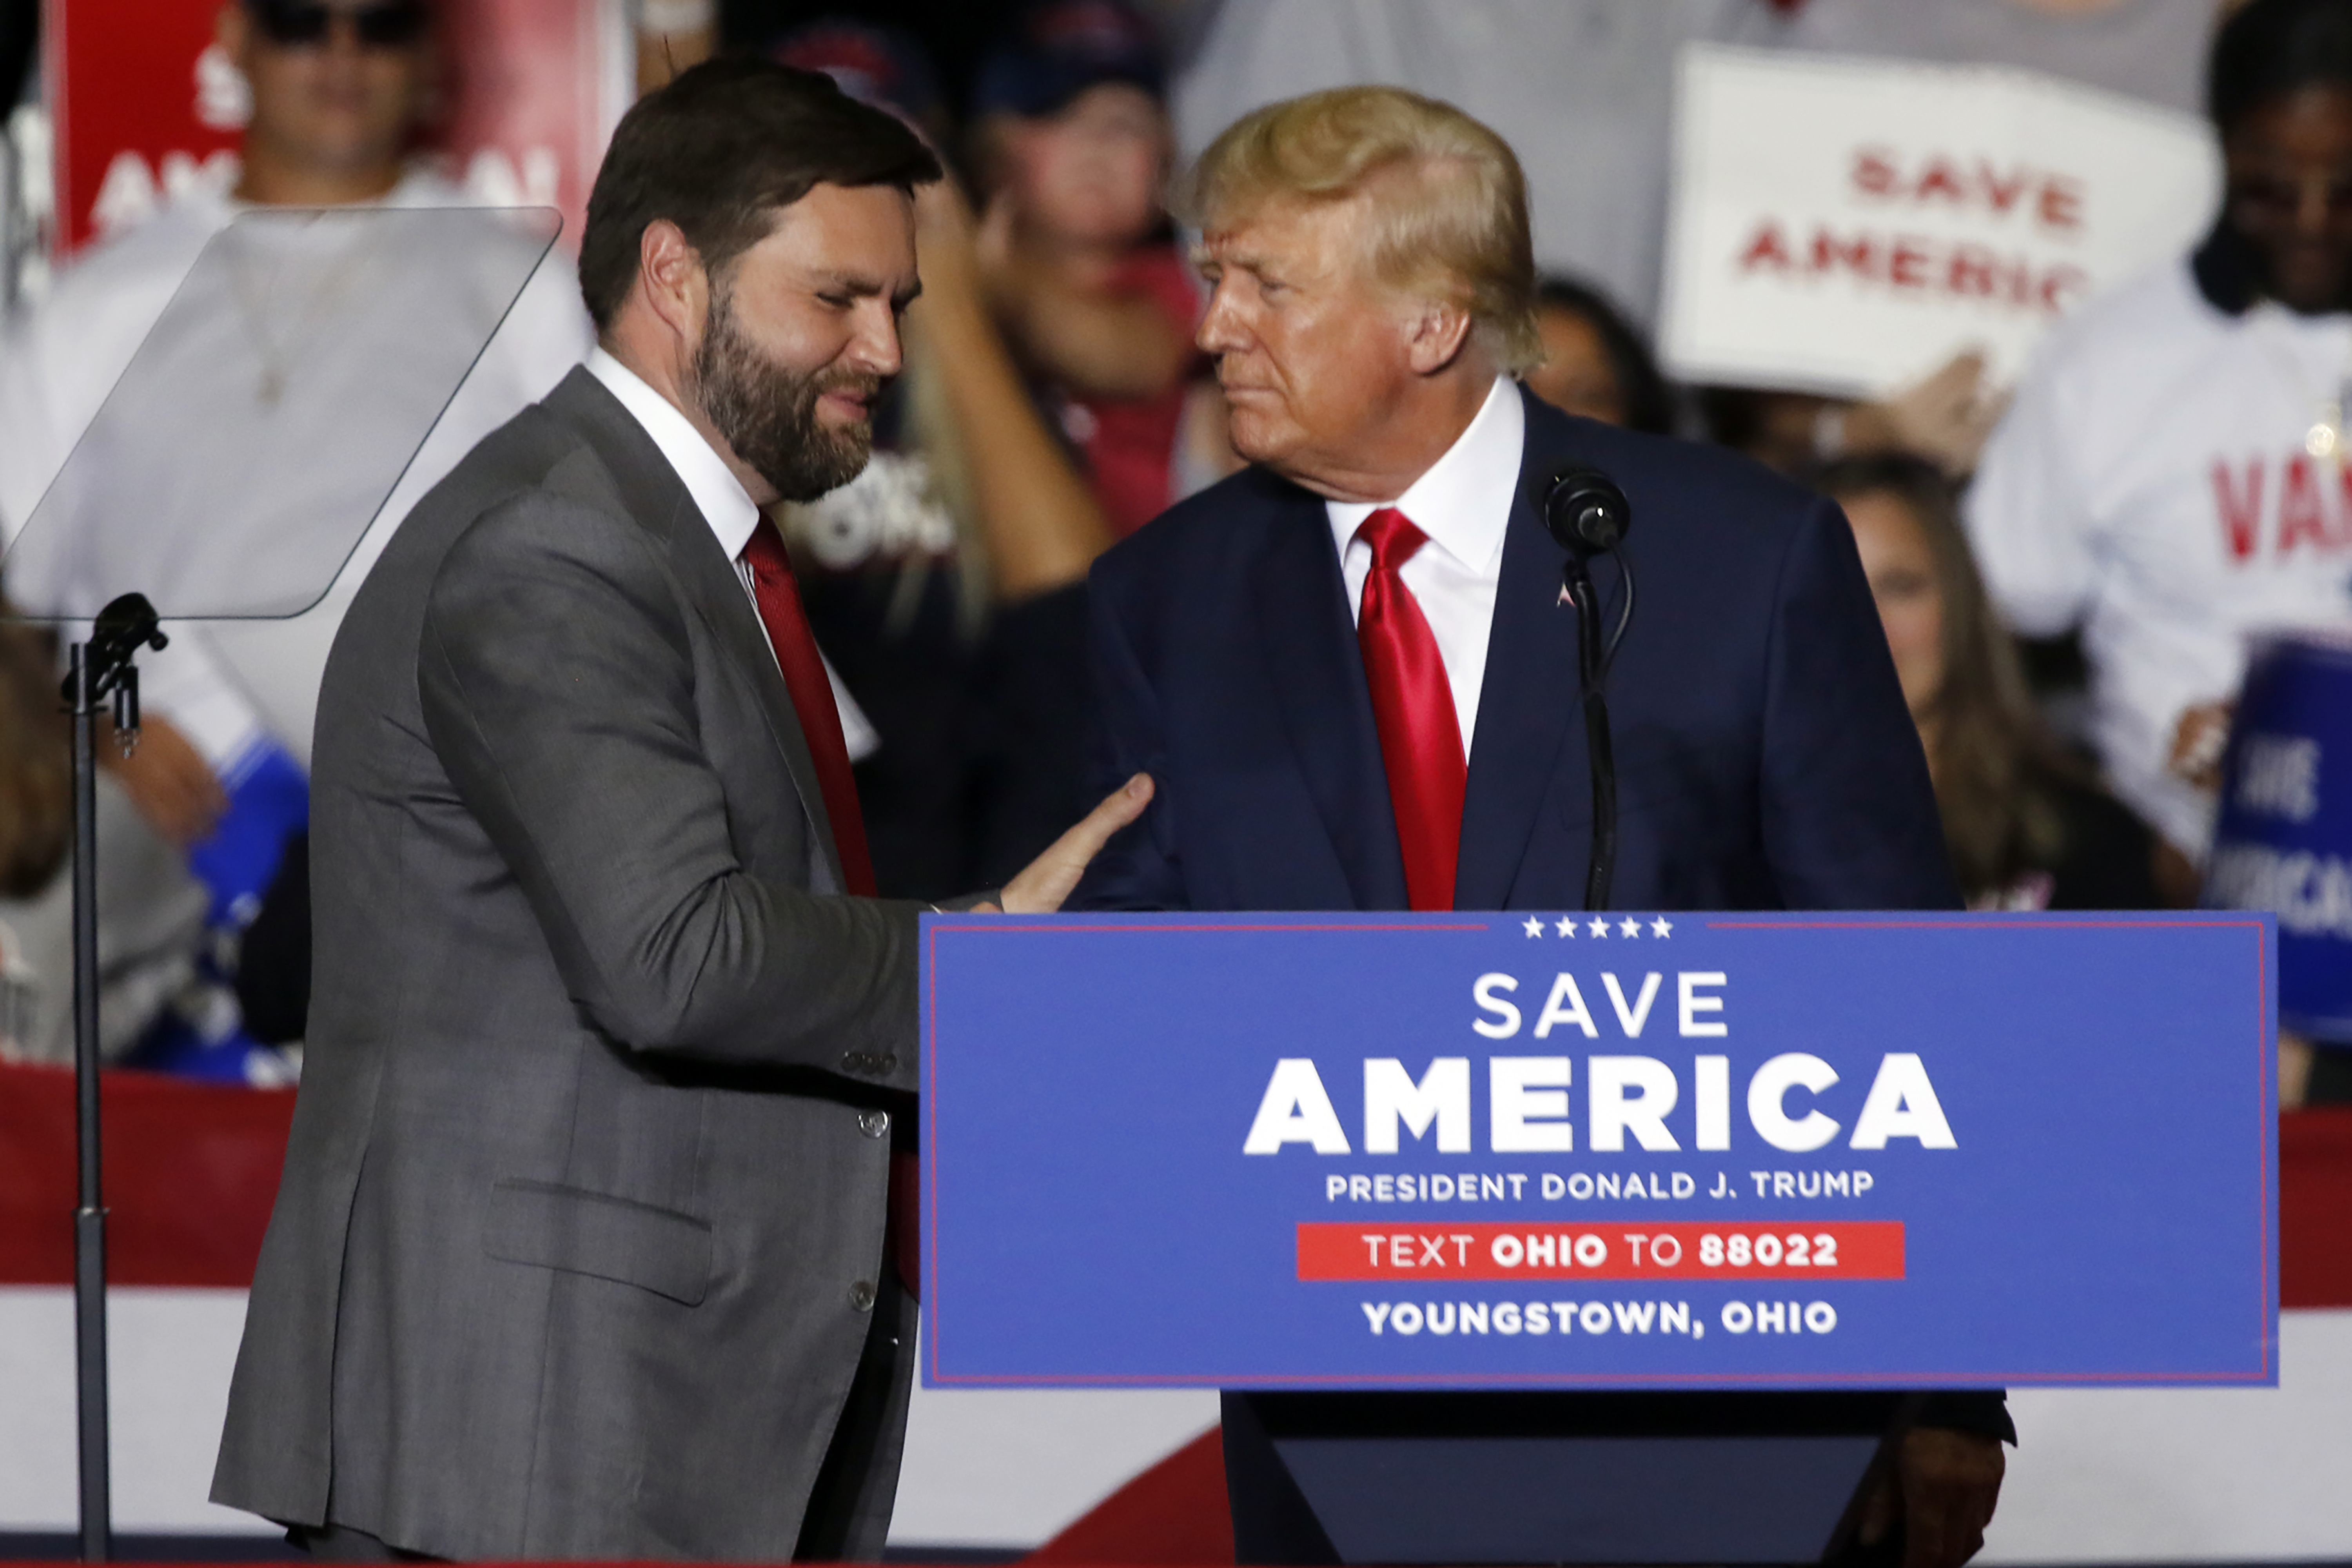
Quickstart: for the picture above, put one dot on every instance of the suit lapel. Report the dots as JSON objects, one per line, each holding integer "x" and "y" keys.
{"x": 1528, "y": 701}
{"x": 658, "y": 501}
{"x": 1317, "y": 678}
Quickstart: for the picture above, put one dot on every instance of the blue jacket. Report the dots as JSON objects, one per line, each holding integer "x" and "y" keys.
{"x": 1764, "y": 758}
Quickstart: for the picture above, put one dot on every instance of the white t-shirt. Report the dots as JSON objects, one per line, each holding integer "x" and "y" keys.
{"x": 2149, "y": 49}
{"x": 2150, "y": 483}
{"x": 227, "y": 684}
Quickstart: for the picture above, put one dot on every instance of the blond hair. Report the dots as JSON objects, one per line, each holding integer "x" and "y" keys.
{"x": 1446, "y": 202}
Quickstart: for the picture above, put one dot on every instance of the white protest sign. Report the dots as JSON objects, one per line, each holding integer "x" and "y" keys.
{"x": 1845, "y": 225}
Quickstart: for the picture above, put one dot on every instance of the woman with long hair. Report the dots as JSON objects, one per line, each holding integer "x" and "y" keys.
{"x": 2027, "y": 825}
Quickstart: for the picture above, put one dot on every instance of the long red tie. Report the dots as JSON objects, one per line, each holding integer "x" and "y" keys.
{"x": 781, "y": 612}
{"x": 779, "y": 599}
{"x": 1412, "y": 704}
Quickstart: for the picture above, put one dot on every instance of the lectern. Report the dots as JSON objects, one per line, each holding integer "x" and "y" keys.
{"x": 1532, "y": 1238}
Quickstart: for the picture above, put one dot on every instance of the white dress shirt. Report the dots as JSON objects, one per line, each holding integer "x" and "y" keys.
{"x": 725, "y": 505}
{"x": 1463, "y": 503}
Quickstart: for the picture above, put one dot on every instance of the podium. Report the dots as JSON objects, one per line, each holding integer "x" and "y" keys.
{"x": 1534, "y": 1478}
{"x": 1505, "y": 1245}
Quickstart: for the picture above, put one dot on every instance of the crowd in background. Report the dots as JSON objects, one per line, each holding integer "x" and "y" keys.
{"x": 1054, "y": 401}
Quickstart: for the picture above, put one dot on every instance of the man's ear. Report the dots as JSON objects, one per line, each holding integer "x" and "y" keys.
{"x": 670, "y": 277}
{"x": 1435, "y": 335}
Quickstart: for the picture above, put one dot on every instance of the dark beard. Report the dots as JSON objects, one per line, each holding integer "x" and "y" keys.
{"x": 769, "y": 414}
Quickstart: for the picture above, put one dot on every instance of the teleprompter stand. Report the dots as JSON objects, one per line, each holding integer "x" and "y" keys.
{"x": 230, "y": 474}
{"x": 99, "y": 673}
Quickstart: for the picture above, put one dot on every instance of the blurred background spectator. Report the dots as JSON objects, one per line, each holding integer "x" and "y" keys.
{"x": 946, "y": 584}
{"x": 2170, "y": 478}
{"x": 1584, "y": 89}
{"x": 1595, "y": 362}
{"x": 337, "y": 97}
{"x": 2149, "y": 49}
{"x": 2027, "y": 824}
{"x": 151, "y": 910}
{"x": 1069, "y": 149}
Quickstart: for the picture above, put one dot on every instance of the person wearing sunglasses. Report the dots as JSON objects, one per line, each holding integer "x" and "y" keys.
{"x": 338, "y": 91}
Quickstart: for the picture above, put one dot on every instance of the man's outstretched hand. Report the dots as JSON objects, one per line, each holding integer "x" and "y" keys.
{"x": 1045, "y": 881}
{"x": 1943, "y": 1491}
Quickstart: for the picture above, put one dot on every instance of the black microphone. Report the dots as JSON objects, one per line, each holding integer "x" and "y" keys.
{"x": 1585, "y": 512}
{"x": 1587, "y": 515}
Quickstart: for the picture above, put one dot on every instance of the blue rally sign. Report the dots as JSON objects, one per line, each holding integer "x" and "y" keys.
{"x": 1652, "y": 1151}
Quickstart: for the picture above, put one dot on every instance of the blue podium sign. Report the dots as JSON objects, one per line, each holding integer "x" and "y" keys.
{"x": 1476, "y": 1150}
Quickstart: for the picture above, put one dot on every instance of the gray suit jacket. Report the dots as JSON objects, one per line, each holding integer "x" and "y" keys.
{"x": 577, "y": 1245}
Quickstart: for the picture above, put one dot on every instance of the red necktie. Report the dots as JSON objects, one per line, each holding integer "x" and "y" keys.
{"x": 788, "y": 633}
{"x": 1412, "y": 703}
{"x": 778, "y": 600}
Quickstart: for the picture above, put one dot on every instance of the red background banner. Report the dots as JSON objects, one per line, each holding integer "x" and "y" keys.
{"x": 531, "y": 91}
{"x": 192, "y": 1170}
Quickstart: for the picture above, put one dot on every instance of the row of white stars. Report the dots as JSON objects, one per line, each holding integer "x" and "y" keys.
{"x": 1629, "y": 926}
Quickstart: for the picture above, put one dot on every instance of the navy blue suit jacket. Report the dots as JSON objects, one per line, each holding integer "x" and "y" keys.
{"x": 1764, "y": 758}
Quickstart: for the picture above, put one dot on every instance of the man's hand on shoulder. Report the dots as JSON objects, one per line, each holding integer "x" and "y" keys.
{"x": 1942, "y": 1492}
{"x": 1044, "y": 882}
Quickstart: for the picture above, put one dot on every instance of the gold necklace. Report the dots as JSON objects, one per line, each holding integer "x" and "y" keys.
{"x": 2324, "y": 440}
{"x": 277, "y": 356}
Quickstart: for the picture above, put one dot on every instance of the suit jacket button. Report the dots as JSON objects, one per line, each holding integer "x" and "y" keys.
{"x": 852, "y": 1061}
{"x": 861, "y": 1296}
{"x": 888, "y": 1062}
{"x": 873, "y": 1123}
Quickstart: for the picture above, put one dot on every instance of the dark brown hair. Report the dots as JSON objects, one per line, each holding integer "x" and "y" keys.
{"x": 1993, "y": 762}
{"x": 1641, "y": 387}
{"x": 36, "y": 780}
{"x": 718, "y": 150}
{"x": 2267, "y": 49}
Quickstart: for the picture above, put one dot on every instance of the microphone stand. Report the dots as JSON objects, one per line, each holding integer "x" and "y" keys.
{"x": 99, "y": 671}
{"x": 1587, "y": 515}
{"x": 1592, "y": 651}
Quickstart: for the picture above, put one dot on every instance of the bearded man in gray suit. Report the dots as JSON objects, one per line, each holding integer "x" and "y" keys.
{"x": 580, "y": 1247}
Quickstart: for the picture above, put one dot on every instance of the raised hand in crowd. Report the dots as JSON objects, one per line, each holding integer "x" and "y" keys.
{"x": 1946, "y": 417}
{"x": 2199, "y": 737}
{"x": 1040, "y": 526}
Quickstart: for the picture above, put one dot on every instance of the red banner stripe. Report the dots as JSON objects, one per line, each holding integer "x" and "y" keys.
{"x": 190, "y": 1171}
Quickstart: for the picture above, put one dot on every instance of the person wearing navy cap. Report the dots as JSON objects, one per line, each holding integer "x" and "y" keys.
{"x": 1071, "y": 144}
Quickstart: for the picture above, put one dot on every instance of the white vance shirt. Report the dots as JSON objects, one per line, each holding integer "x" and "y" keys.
{"x": 229, "y": 684}
{"x": 1462, "y": 501}
{"x": 725, "y": 505}
{"x": 2150, "y": 482}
